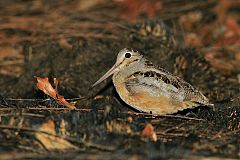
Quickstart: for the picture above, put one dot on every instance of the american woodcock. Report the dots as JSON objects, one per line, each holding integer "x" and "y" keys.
{"x": 149, "y": 88}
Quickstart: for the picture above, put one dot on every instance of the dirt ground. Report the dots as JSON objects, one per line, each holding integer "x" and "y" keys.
{"x": 76, "y": 42}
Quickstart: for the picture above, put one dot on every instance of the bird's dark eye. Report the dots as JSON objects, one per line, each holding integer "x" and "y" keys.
{"x": 128, "y": 55}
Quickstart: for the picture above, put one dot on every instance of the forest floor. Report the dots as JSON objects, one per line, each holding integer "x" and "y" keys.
{"x": 73, "y": 43}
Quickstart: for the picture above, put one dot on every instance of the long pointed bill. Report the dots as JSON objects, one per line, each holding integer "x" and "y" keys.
{"x": 106, "y": 75}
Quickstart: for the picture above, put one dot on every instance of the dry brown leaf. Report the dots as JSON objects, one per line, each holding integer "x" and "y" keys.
{"x": 129, "y": 119}
{"x": 45, "y": 86}
{"x": 98, "y": 97}
{"x": 50, "y": 141}
{"x": 62, "y": 128}
{"x": 200, "y": 146}
{"x": 61, "y": 101}
{"x": 148, "y": 132}
{"x": 63, "y": 42}
{"x": 118, "y": 127}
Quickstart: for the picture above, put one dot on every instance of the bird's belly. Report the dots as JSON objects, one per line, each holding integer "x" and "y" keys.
{"x": 146, "y": 102}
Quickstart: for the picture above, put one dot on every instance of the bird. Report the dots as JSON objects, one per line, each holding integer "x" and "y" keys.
{"x": 149, "y": 88}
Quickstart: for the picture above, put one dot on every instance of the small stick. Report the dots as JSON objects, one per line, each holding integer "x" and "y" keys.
{"x": 54, "y": 109}
{"x": 22, "y": 99}
{"x": 172, "y": 134}
{"x": 23, "y": 114}
{"x": 166, "y": 116}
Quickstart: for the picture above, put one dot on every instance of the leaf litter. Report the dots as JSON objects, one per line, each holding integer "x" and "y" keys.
{"x": 77, "y": 46}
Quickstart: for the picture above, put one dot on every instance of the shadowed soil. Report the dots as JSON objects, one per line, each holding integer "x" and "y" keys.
{"x": 77, "y": 44}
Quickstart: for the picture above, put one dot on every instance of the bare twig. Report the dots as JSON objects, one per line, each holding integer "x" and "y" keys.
{"x": 166, "y": 116}
{"x": 41, "y": 100}
{"x": 171, "y": 134}
{"x": 23, "y": 114}
{"x": 22, "y": 99}
{"x": 52, "y": 109}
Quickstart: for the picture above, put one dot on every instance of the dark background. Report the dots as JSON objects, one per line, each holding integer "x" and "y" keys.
{"x": 77, "y": 42}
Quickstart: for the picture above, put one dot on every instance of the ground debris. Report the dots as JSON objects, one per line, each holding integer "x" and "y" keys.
{"x": 77, "y": 41}
{"x": 148, "y": 132}
{"x": 51, "y": 141}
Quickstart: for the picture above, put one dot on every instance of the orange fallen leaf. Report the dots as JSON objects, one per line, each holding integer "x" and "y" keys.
{"x": 129, "y": 119}
{"x": 98, "y": 97}
{"x": 148, "y": 132}
{"x": 61, "y": 101}
{"x": 45, "y": 86}
{"x": 118, "y": 127}
{"x": 63, "y": 42}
